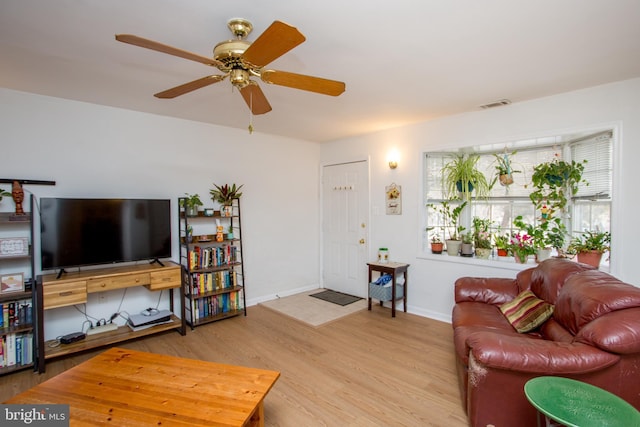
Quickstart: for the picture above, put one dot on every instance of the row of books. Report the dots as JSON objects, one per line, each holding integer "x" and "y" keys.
{"x": 216, "y": 304}
{"x": 16, "y": 349}
{"x": 201, "y": 283}
{"x": 16, "y": 313}
{"x": 207, "y": 257}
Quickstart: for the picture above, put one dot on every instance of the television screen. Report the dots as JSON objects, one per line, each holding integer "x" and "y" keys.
{"x": 80, "y": 232}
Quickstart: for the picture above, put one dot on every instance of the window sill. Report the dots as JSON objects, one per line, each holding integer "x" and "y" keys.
{"x": 502, "y": 263}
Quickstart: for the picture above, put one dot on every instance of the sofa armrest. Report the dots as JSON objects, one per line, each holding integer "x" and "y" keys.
{"x": 523, "y": 353}
{"x": 488, "y": 290}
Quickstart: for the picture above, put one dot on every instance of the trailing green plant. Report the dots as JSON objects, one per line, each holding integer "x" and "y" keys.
{"x": 224, "y": 194}
{"x": 555, "y": 182}
{"x": 547, "y": 233}
{"x": 451, "y": 216}
{"x": 462, "y": 176}
{"x": 591, "y": 240}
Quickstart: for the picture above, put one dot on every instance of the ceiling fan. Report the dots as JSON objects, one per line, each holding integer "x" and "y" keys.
{"x": 239, "y": 60}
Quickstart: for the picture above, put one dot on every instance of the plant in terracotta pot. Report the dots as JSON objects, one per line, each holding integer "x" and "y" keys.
{"x": 482, "y": 237}
{"x": 590, "y": 246}
{"x": 191, "y": 203}
{"x": 461, "y": 176}
{"x": 501, "y": 240}
{"x": 437, "y": 245}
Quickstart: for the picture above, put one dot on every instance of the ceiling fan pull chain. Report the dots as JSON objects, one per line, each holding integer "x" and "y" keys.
{"x": 251, "y": 113}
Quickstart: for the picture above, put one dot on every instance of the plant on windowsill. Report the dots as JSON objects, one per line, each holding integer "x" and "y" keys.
{"x": 521, "y": 246}
{"x": 191, "y": 203}
{"x": 461, "y": 176}
{"x": 451, "y": 217}
{"x": 482, "y": 237}
{"x": 466, "y": 249}
{"x": 502, "y": 243}
{"x": 590, "y": 246}
{"x": 437, "y": 246}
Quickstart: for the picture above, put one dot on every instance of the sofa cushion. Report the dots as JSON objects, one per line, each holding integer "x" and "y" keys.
{"x": 591, "y": 294}
{"x": 550, "y": 275}
{"x": 526, "y": 311}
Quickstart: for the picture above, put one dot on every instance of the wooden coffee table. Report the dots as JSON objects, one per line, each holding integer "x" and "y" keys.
{"x": 132, "y": 388}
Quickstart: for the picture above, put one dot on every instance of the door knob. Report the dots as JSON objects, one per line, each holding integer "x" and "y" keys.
{"x": 362, "y": 241}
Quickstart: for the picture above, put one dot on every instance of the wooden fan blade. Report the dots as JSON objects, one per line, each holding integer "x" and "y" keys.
{"x": 300, "y": 81}
{"x": 191, "y": 86}
{"x": 150, "y": 44}
{"x": 255, "y": 99}
{"x": 276, "y": 40}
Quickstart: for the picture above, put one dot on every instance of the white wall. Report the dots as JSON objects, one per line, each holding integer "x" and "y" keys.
{"x": 95, "y": 151}
{"x": 431, "y": 278}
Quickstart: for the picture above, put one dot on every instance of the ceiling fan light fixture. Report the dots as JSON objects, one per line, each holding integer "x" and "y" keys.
{"x": 239, "y": 78}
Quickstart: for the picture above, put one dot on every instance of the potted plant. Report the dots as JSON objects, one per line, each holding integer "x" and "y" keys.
{"x": 590, "y": 246}
{"x": 466, "y": 248}
{"x": 450, "y": 218}
{"x": 224, "y": 194}
{"x": 191, "y": 203}
{"x": 502, "y": 243}
{"x": 437, "y": 246}
{"x": 461, "y": 177}
{"x": 482, "y": 237}
{"x": 521, "y": 246}
{"x": 504, "y": 170}
{"x": 555, "y": 182}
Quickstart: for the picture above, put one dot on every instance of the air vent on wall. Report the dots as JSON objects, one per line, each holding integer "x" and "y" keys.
{"x": 499, "y": 103}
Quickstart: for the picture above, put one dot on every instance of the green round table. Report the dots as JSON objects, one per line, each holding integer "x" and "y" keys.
{"x": 577, "y": 404}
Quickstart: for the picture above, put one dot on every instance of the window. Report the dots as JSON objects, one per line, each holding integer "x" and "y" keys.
{"x": 589, "y": 209}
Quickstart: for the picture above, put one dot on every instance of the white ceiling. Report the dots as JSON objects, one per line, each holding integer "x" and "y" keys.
{"x": 403, "y": 61}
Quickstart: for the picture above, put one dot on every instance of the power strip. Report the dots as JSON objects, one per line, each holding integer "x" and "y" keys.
{"x": 102, "y": 328}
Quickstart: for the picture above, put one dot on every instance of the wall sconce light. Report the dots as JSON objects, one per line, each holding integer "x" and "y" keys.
{"x": 392, "y": 158}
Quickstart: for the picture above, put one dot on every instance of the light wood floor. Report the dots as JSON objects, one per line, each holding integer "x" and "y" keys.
{"x": 365, "y": 369}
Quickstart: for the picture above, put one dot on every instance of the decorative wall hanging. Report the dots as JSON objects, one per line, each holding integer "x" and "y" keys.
{"x": 393, "y": 199}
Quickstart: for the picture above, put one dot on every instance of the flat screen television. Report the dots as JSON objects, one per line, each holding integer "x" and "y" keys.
{"x": 82, "y": 232}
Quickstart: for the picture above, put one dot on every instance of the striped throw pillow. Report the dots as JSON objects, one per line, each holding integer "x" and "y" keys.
{"x": 526, "y": 311}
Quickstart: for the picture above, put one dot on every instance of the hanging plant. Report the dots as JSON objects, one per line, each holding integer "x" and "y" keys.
{"x": 462, "y": 177}
{"x": 555, "y": 182}
{"x": 504, "y": 169}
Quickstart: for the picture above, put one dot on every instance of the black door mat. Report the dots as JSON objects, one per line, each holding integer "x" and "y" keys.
{"x": 336, "y": 297}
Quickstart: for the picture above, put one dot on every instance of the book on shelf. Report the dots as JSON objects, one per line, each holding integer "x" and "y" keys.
{"x": 16, "y": 313}
{"x": 216, "y": 305}
{"x": 214, "y": 256}
{"x": 16, "y": 349}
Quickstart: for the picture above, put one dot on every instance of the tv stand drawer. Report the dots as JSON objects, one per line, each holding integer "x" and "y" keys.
{"x": 64, "y": 294}
{"x": 109, "y": 283}
{"x": 165, "y": 279}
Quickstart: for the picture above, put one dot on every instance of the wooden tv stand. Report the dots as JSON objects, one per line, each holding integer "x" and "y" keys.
{"x": 73, "y": 288}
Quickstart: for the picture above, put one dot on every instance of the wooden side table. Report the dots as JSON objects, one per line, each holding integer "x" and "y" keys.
{"x": 394, "y": 269}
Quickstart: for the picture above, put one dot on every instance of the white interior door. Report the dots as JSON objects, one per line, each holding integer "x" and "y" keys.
{"x": 345, "y": 196}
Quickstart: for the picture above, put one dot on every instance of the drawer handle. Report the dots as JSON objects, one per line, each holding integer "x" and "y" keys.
{"x": 65, "y": 294}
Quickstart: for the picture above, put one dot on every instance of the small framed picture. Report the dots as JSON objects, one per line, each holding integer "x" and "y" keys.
{"x": 14, "y": 246}
{"x": 208, "y": 212}
{"x": 12, "y": 282}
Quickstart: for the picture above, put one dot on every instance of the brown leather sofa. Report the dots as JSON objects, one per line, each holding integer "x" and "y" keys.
{"x": 592, "y": 336}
